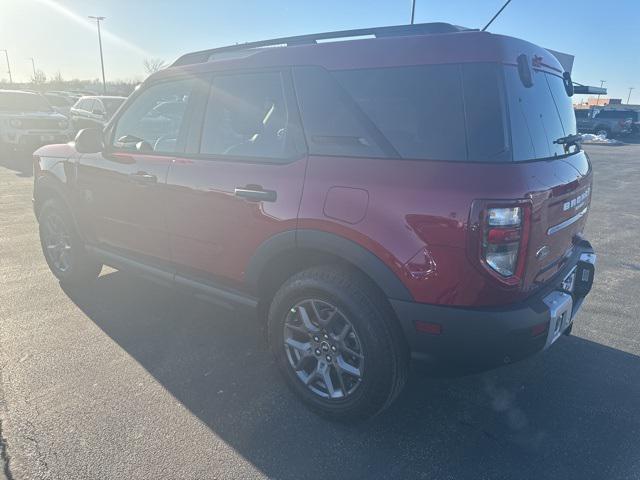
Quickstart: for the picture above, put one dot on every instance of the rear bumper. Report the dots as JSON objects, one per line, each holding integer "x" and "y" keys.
{"x": 477, "y": 339}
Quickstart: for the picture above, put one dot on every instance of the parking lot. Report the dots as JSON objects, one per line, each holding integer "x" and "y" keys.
{"x": 123, "y": 379}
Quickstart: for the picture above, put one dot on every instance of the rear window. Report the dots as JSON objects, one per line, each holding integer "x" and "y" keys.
{"x": 438, "y": 112}
{"x": 538, "y": 115}
{"x": 582, "y": 113}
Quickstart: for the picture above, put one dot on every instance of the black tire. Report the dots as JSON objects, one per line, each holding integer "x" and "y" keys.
{"x": 384, "y": 351}
{"x": 79, "y": 266}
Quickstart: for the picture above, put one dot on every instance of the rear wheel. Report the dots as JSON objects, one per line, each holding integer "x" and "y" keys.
{"x": 62, "y": 247}
{"x": 337, "y": 344}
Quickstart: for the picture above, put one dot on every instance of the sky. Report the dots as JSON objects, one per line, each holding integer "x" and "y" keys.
{"x": 58, "y": 35}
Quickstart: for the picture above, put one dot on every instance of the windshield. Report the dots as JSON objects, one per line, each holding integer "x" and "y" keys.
{"x": 22, "y": 102}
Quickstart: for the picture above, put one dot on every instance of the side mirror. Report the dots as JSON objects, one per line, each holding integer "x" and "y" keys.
{"x": 89, "y": 140}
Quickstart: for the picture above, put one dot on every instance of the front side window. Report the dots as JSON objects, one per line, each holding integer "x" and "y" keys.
{"x": 247, "y": 116}
{"x": 154, "y": 121}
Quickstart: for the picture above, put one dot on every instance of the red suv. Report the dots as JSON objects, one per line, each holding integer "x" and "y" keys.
{"x": 420, "y": 194}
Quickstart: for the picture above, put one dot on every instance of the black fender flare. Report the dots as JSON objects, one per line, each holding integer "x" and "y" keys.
{"x": 332, "y": 244}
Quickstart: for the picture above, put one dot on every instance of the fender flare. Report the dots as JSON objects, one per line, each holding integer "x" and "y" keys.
{"x": 332, "y": 244}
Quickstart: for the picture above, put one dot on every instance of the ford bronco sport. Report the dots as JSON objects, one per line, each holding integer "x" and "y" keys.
{"x": 416, "y": 195}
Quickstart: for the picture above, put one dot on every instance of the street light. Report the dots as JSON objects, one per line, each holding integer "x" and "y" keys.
{"x": 6, "y": 54}
{"x": 33, "y": 65}
{"x": 104, "y": 83}
{"x": 629, "y": 96}
{"x": 598, "y": 97}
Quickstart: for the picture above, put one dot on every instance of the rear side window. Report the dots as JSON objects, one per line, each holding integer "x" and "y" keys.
{"x": 247, "y": 116}
{"x": 419, "y": 110}
{"x": 85, "y": 104}
{"x": 435, "y": 112}
{"x": 538, "y": 115}
{"x": 333, "y": 124}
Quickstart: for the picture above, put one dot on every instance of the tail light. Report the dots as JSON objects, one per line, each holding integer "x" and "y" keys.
{"x": 501, "y": 234}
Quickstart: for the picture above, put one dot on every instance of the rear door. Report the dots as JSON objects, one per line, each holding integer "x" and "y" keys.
{"x": 241, "y": 180}
{"x": 123, "y": 189}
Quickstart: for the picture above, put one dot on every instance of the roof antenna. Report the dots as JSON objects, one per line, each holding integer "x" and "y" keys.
{"x": 496, "y": 15}
{"x": 413, "y": 11}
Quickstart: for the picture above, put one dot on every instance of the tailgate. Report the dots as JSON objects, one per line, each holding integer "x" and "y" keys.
{"x": 560, "y": 208}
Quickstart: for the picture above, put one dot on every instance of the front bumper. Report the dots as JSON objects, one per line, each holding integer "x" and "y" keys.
{"x": 476, "y": 339}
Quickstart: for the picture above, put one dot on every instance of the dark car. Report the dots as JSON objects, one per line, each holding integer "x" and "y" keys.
{"x": 417, "y": 195}
{"x": 609, "y": 122}
{"x": 94, "y": 112}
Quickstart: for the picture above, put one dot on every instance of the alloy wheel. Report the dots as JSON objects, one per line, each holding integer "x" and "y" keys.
{"x": 57, "y": 242}
{"x": 323, "y": 349}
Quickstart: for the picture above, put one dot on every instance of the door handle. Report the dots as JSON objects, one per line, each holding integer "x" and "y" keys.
{"x": 256, "y": 194}
{"x": 143, "y": 177}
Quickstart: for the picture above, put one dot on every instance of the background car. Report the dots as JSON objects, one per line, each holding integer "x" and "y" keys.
{"x": 94, "y": 111}
{"x": 608, "y": 122}
{"x": 59, "y": 103}
{"x": 27, "y": 121}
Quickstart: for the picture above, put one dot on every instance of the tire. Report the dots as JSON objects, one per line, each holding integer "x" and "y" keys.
{"x": 63, "y": 248}
{"x": 373, "y": 345}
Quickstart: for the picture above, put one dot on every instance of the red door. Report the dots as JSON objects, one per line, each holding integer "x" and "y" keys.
{"x": 123, "y": 188}
{"x": 242, "y": 182}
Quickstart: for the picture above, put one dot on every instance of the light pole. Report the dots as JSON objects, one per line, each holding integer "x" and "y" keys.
{"x": 629, "y": 96}
{"x": 598, "y": 97}
{"x": 104, "y": 83}
{"x": 413, "y": 11}
{"x": 6, "y": 54}
{"x": 33, "y": 65}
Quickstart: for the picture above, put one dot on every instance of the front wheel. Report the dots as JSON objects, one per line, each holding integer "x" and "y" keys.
{"x": 337, "y": 343}
{"x": 62, "y": 247}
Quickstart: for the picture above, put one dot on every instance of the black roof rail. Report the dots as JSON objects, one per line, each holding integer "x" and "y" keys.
{"x": 391, "y": 31}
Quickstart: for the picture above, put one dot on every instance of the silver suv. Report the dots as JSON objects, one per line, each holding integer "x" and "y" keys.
{"x": 27, "y": 121}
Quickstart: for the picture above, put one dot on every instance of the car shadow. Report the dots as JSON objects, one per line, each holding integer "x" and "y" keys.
{"x": 20, "y": 163}
{"x": 572, "y": 412}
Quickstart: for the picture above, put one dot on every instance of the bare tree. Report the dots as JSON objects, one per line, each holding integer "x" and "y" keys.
{"x": 38, "y": 78}
{"x": 152, "y": 65}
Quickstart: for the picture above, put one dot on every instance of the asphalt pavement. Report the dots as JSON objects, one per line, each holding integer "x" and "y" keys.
{"x": 123, "y": 379}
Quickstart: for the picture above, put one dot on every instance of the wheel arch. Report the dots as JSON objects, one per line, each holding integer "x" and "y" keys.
{"x": 289, "y": 252}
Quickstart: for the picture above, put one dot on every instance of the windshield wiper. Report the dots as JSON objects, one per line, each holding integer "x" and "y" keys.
{"x": 568, "y": 141}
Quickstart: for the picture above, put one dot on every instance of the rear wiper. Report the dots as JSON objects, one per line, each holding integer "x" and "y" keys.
{"x": 568, "y": 141}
